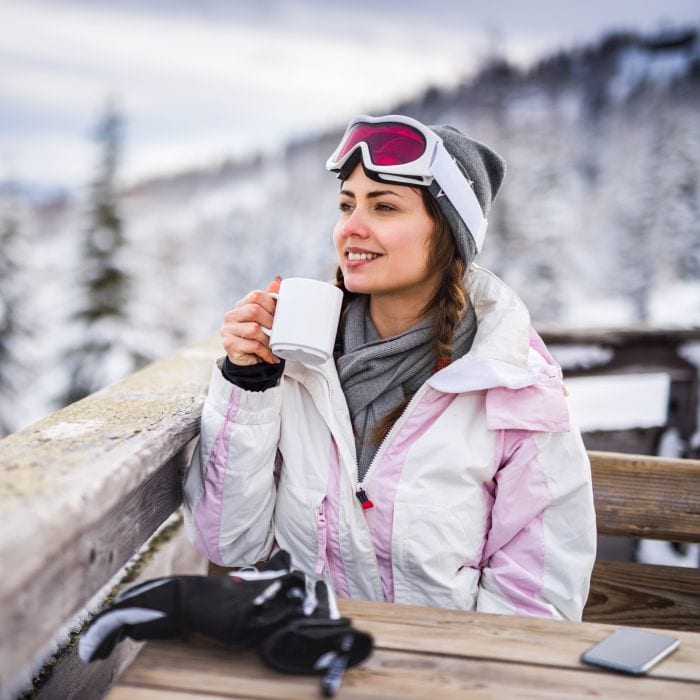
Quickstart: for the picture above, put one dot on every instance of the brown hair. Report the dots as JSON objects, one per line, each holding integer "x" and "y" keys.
{"x": 446, "y": 305}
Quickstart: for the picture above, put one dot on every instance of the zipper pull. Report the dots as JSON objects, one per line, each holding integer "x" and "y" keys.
{"x": 362, "y": 498}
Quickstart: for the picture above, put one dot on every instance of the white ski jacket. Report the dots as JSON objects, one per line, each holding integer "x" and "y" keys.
{"x": 481, "y": 491}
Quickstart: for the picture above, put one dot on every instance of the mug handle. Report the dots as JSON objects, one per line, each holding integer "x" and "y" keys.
{"x": 268, "y": 331}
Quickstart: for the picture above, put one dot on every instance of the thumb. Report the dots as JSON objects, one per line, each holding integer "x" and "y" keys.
{"x": 274, "y": 286}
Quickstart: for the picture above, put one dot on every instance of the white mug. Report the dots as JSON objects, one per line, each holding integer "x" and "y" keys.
{"x": 305, "y": 321}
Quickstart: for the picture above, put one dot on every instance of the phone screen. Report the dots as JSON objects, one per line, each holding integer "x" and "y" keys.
{"x": 631, "y": 650}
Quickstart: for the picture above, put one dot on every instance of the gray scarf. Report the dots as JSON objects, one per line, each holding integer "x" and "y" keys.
{"x": 376, "y": 375}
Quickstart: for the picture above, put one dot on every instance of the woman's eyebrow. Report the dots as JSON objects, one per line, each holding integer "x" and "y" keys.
{"x": 372, "y": 195}
{"x": 382, "y": 193}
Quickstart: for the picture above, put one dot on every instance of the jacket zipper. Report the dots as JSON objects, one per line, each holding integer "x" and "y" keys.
{"x": 363, "y": 498}
{"x": 322, "y": 534}
{"x": 360, "y": 492}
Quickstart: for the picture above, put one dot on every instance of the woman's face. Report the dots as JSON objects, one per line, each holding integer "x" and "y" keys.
{"x": 382, "y": 240}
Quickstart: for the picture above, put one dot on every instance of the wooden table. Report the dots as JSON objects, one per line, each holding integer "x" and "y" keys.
{"x": 421, "y": 653}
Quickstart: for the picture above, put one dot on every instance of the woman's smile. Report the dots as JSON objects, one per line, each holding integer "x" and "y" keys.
{"x": 357, "y": 257}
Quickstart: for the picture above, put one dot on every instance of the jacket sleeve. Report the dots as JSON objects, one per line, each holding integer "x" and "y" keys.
{"x": 540, "y": 549}
{"x": 229, "y": 488}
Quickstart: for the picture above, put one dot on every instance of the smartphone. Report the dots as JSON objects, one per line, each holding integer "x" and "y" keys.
{"x": 631, "y": 650}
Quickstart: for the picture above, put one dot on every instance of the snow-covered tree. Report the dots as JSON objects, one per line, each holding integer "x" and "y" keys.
{"x": 12, "y": 327}
{"x": 679, "y": 191}
{"x": 103, "y": 353}
{"x": 636, "y": 254}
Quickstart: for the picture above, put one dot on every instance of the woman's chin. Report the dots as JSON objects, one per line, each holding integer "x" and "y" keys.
{"x": 351, "y": 281}
{"x": 357, "y": 286}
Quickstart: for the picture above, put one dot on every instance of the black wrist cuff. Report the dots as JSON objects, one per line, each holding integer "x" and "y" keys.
{"x": 253, "y": 377}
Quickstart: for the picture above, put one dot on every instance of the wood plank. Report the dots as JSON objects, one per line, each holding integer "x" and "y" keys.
{"x": 646, "y": 497}
{"x": 203, "y": 668}
{"x": 643, "y": 595}
{"x": 135, "y": 692}
{"x": 617, "y": 337}
{"x": 558, "y": 642}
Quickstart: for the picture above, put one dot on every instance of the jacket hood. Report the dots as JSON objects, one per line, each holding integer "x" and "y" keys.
{"x": 500, "y": 355}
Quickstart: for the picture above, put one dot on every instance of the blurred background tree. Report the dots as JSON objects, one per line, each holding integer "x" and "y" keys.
{"x": 103, "y": 353}
{"x": 11, "y": 327}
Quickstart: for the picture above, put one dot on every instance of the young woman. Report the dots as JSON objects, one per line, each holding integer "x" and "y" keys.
{"x": 433, "y": 461}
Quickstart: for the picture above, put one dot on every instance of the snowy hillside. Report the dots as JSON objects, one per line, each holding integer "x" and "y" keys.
{"x": 598, "y": 222}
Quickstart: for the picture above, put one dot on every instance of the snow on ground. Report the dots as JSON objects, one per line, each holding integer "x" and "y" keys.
{"x": 673, "y": 304}
{"x": 619, "y": 402}
{"x": 657, "y": 552}
{"x": 676, "y": 304}
{"x": 598, "y": 312}
{"x": 572, "y": 357}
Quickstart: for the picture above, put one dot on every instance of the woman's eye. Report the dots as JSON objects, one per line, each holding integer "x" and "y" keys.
{"x": 385, "y": 207}
{"x": 345, "y": 206}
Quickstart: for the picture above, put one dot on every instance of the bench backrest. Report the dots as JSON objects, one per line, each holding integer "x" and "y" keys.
{"x": 653, "y": 498}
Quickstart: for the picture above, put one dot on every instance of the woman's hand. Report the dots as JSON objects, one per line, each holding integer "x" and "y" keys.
{"x": 243, "y": 338}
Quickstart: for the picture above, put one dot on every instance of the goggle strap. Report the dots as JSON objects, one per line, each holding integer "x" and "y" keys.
{"x": 454, "y": 184}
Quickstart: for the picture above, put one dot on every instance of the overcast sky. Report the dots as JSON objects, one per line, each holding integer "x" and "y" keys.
{"x": 199, "y": 80}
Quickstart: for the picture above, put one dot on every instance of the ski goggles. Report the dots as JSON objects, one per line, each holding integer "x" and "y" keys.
{"x": 402, "y": 150}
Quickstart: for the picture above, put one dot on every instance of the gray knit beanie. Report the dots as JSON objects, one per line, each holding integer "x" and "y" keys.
{"x": 484, "y": 170}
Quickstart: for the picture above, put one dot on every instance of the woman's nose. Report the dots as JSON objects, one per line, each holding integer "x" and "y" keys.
{"x": 355, "y": 225}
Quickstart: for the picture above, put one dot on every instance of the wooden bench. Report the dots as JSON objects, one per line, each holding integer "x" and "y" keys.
{"x": 653, "y": 498}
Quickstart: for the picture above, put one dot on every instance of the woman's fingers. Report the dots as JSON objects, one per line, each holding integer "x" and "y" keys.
{"x": 258, "y": 298}
{"x": 243, "y": 338}
{"x": 274, "y": 285}
{"x": 250, "y": 312}
{"x": 242, "y": 351}
{"x": 245, "y": 331}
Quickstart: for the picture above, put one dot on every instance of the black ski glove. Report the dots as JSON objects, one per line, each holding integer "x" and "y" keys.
{"x": 319, "y": 642}
{"x": 238, "y": 609}
{"x": 296, "y": 627}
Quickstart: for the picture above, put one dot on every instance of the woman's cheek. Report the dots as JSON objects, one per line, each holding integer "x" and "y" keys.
{"x": 338, "y": 244}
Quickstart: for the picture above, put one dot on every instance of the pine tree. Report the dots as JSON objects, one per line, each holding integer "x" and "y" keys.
{"x": 103, "y": 354}
{"x": 11, "y": 327}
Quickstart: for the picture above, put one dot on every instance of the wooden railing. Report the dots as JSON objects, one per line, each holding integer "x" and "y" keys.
{"x": 83, "y": 490}
{"x": 80, "y": 493}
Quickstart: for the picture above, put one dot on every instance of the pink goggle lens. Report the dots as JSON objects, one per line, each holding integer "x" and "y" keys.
{"x": 389, "y": 143}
